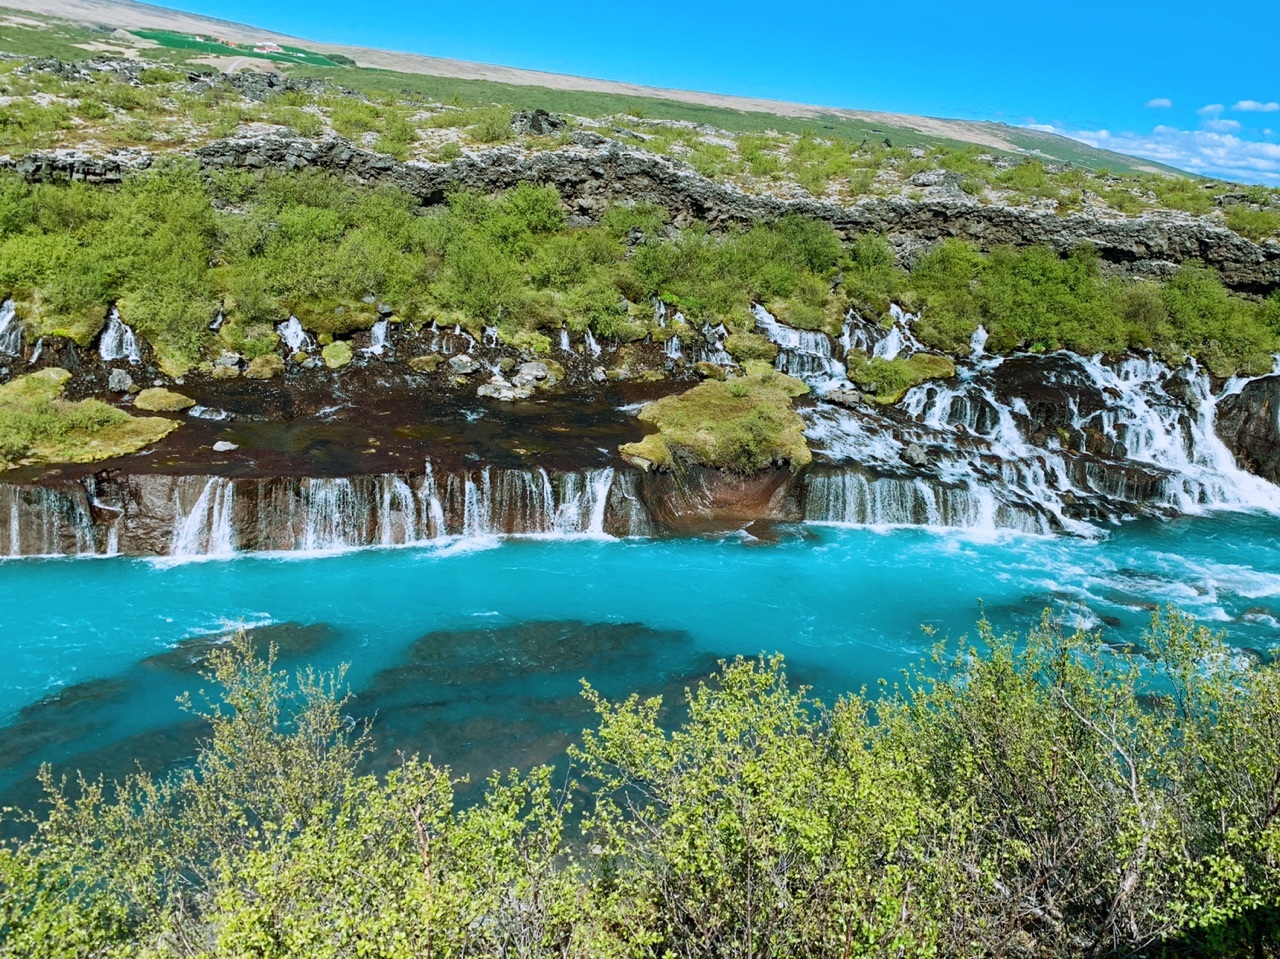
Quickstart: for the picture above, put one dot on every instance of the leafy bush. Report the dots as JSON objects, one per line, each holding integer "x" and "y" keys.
{"x": 1032, "y": 795}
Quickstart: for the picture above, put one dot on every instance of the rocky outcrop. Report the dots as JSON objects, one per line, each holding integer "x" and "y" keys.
{"x": 596, "y": 172}
{"x": 1249, "y": 423}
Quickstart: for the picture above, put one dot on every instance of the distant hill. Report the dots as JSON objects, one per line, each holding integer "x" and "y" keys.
{"x": 124, "y": 27}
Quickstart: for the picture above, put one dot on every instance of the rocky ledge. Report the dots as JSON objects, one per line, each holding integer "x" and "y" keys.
{"x": 596, "y": 171}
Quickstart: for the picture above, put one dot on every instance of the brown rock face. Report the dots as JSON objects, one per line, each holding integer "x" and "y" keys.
{"x": 694, "y": 499}
{"x": 1249, "y": 423}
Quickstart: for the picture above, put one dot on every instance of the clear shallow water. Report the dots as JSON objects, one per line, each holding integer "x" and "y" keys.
{"x": 473, "y": 653}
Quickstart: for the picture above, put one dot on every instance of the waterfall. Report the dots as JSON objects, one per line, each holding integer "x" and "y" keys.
{"x": 206, "y": 529}
{"x": 46, "y": 521}
{"x": 978, "y": 342}
{"x": 713, "y": 350}
{"x": 673, "y": 348}
{"x": 803, "y": 353}
{"x": 294, "y": 336}
{"x": 565, "y": 345}
{"x": 593, "y": 348}
{"x": 490, "y": 337}
{"x": 117, "y": 341}
{"x": 1105, "y": 440}
{"x": 660, "y": 313}
{"x": 379, "y": 337}
{"x": 10, "y": 329}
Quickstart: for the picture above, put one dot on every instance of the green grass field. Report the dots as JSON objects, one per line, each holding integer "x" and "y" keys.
{"x": 184, "y": 41}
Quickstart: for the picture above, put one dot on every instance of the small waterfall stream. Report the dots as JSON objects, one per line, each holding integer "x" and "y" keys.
{"x": 117, "y": 341}
{"x": 10, "y": 329}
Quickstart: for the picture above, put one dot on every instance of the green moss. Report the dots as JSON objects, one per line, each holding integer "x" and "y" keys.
{"x": 750, "y": 346}
{"x": 159, "y": 400}
{"x": 889, "y": 380}
{"x": 265, "y": 367}
{"x": 337, "y": 354}
{"x": 745, "y": 424}
{"x": 38, "y": 426}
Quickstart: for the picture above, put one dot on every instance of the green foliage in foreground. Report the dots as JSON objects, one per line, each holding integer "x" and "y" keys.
{"x": 171, "y": 247}
{"x": 37, "y": 425}
{"x": 1037, "y": 796}
{"x": 745, "y": 424}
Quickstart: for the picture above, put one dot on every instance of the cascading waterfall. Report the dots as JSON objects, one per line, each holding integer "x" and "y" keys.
{"x": 206, "y": 529}
{"x": 293, "y": 336}
{"x": 10, "y": 329}
{"x": 969, "y": 452}
{"x": 47, "y": 521}
{"x": 117, "y": 341}
{"x": 565, "y": 345}
{"x": 593, "y": 348}
{"x": 806, "y": 354}
{"x": 379, "y": 337}
{"x": 712, "y": 350}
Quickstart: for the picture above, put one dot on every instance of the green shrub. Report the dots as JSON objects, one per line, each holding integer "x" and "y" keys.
{"x": 1256, "y": 224}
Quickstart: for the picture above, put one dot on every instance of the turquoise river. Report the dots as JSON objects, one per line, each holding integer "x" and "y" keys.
{"x": 473, "y": 652}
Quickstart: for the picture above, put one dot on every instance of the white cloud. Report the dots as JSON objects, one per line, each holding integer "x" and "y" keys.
{"x": 1211, "y": 110}
{"x": 1221, "y": 153}
{"x": 1042, "y": 127}
{"x": 1255, "y": 106}
{"x": 1160, "y": 103}
{"x": 1223, "y": 126}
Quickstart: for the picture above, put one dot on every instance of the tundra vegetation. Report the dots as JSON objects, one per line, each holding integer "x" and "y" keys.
{"x": 1042, "y": 795}
{"x": 38, "y": 425}
{"x": 745, "y": 424}
{"x": 171, "y": 247}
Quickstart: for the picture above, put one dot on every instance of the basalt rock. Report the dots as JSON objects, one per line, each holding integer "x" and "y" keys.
{"x": 592, "y": 175}
{"x": 1249, "y": 423}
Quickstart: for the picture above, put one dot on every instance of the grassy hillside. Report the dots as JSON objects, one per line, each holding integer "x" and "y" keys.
{"x": 569, "y": 95}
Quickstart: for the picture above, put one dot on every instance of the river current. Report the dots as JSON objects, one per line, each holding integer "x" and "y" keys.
{"x": 472, "y": 650}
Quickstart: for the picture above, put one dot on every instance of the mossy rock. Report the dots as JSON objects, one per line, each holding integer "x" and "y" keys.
{"x": 159, "y": 400}
{"x": 337, "y": 354}
{"x": 889, "y": 380}
{"x": 750, "y": 346}
{"x": 709, "y": 371}
{"x": 428, "y": 363}
{"x": 265, "y": 367}
{"x": 745, "y": 424}
{"x": 38, "y": 426}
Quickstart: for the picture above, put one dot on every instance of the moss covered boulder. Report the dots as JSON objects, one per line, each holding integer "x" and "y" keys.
{"x": 337, "y": 354}
{"x": 159, "y": 400}
{"x": 745, "y": 424}
{"x": 265, "y": 367}
{"x": 38, "y": 426}
{"x": 888, "y": 380}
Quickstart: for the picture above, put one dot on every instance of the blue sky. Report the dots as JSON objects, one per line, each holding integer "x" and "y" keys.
{"x": 1193, "y": 85}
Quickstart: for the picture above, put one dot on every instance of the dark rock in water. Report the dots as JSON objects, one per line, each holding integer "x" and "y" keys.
{"x": 453, "y": 696}
{"x": 71, "y": 713}
{"x": 291, "y": 640}
{"x": 1249, "y": 423}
